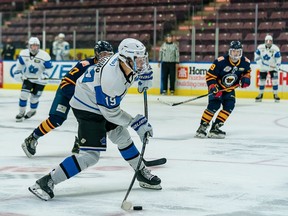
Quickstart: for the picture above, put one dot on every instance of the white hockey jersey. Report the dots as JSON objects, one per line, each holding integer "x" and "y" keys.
{"x": 61, "y": 50}
{"x": 35, "y": 67}
{"x": 100, "y": 90}
{"x": 268, "y": 59}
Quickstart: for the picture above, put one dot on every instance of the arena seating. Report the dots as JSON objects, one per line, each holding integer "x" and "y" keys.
{"x": 118, "y": 19}
{"x": 134, "y": 18}
{"x": 236, "y": 21}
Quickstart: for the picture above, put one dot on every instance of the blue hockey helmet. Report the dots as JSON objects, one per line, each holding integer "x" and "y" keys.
{"x": 235, "y": 50}
{"x": 102, "y": 46}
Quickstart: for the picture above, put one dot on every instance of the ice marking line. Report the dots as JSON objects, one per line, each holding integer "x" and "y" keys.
{"x": 32, "y": 128}
{"x": 257, "y": 163}
{"x": 277, "y": 122}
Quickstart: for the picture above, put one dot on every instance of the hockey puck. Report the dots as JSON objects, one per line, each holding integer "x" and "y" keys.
{"x": 137, "y": 208}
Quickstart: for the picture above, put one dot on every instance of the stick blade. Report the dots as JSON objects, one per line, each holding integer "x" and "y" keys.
{"x": 126, "y": 205}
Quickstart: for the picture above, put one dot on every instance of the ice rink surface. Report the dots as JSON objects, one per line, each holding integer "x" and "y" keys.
{"x": 245, "y": 174}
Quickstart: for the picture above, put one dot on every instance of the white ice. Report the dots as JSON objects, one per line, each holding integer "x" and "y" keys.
{"x": 245, "y": 174}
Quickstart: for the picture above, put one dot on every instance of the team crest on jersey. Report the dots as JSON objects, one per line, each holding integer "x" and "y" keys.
{"x": 229, "y": 79}
{"x": 227, "y": 69}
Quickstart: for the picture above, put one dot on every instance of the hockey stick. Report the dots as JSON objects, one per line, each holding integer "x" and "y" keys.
{"x": 126, "y": 205}
{"x": 156, "y": 162}
{"x": 196, "y": 98}
{"x": 283, "y": 70}
{"x": 52, "y": 78}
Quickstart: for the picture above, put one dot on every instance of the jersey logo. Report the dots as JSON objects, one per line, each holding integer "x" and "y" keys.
{"x": 266, "y": 57}
{"x": 229, "y": 79}
{"x": 227, "y": 69}
{"x": 33, "y": 69}
{"x": 36, "y": 60}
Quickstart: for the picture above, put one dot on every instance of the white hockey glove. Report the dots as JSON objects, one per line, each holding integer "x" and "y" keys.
{"x": 18, "y": 76}
{"x": 44, "y": 76}
{"x": 141, "y": 126}
{"x": 145, "y": 80}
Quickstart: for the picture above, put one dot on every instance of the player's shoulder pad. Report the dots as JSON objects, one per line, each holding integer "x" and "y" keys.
{"x": 44, "y": 55}
{"x": 220, "y": 58}
{"x": 84, "y": 63}
{"x": 275, "y": 47}
{"x": 24, "y": 52}
{"x": 246, "y": 59}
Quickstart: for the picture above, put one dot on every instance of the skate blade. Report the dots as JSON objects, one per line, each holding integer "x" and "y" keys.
{"x": 214, "y": 136}
{"x": 20, "y": 120}
{"x": 200, "y": 136}
{"x": 28, "y": 117}
{"x": 148, "y": 186}
{"x": 34, "y": 190}
{"x": 24, "y": 147}
{"x": 258, "y": 100}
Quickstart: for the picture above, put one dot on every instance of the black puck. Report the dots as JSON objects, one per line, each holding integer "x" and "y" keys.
{"x": 137, "y": 208}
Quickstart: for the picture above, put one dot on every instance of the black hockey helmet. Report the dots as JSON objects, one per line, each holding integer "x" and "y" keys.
{"x": 235, "y": 50}
{"x": 102, "y": 46}
{"x": 236, "y": 45}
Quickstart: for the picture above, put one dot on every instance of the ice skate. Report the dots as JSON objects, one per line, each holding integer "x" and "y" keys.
{"x": 259, "y": 98}
{"x": 43, "y": 188}
{"x": 29, "y": 146}
{"x": 201, "y": 132}
{"x": 215, "y": 132}
{"x": 276, "y": 98}
{"x": 76, "y": 147}
{"x": 164, "y": 92}
{"x": 20, "y": 117}
{"x": 147, "y": 180}
{"x": 30, "y": 114}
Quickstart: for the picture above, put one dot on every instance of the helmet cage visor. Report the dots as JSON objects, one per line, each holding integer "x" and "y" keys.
{"x": 140, "y": 64}
{"x": 235, "y": 54}
{"x": 34, "y": 48}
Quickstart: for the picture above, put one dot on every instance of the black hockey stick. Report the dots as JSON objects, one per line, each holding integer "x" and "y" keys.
{"x": 196, "y": 98}
{"x": 52, "y": 78}
{"x": 126, "y": 205}
{"x": 156, "y": 162}
{"x": 283, "y": 70}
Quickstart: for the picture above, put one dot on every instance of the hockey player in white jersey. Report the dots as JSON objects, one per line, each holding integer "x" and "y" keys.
{"x": 96, "y": 105}
{"x": 61, "y": 48}
{"x": 268, "y": 58}
{"x": 32, "y": 68}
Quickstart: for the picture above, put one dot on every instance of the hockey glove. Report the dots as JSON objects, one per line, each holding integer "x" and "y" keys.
{"x": 213, "y": 88}
{"x": 18, "y": 76}
{"x": 145, "y": 80}
{"x": 44, "y": 76}
{"x": 245, "y": 82}
{"x": 141, "y": 126}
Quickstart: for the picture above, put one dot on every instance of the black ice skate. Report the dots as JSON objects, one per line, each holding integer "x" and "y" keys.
{"x": 259, "y": 98}
{"x": 43, "y": 188}
{"x": 20, "y": 117}
{"x": 29, "y": 146}
{"x": 201, "y": 132}
{"x": 30, "y": 114}
{"x": 147, "y": 180}
{"x": 276, "y": 98}
{"x": 215, "y": 132}
{"x": 76, "y": 147}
